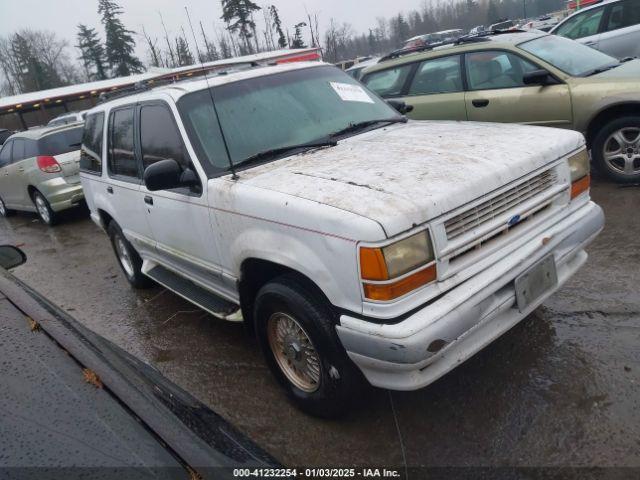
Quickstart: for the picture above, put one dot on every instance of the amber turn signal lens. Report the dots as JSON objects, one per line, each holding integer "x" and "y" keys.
{"x": 580, "y": 186}
{"x": 389, "y": 291}
{"x": 372, "y": 264}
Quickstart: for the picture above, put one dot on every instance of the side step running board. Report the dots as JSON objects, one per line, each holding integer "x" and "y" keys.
{"x": 188, "y": 290}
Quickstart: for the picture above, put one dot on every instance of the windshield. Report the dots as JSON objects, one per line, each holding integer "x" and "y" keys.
{"x": 571, "y": 57}
{"x": 275, "y": 111}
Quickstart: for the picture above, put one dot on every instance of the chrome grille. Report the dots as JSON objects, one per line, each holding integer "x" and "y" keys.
{"x": 499, "y": 204}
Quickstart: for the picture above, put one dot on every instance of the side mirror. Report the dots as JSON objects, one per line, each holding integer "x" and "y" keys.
{"x": 167, "y": 174}
{"x": 538, "y": 77}
{"x": 400, "y": 106}
{"x": 11, "y": 257}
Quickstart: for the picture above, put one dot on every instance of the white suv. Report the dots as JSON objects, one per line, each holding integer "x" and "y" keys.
{"x": 349, "y": 240}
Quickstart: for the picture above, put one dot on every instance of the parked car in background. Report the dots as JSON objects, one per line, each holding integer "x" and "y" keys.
{"x": 613, "y": 27}
{"x": 525, "y": 77}
{"x": 503, "y": 25}
{"x": 4, "y": 134}
{"x": 39, "y": 172}
{"x": 67, "y": 118}
{"x": 358, "y": 68}
{"x": 544, "y": 23}
{"x": 351, "y": 241}
{"x": 477, "y": 30}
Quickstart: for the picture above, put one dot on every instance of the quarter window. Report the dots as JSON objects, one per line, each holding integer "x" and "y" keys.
{"x": 159, "y": 136}
{"x": 122, "y": 158}
{"x": 442, "y": 75}
{"x": 91, "y": 150}
{"x": 388, "y": 83}
{"x": 493, "y": 70}
{"x": 583, "y": 25}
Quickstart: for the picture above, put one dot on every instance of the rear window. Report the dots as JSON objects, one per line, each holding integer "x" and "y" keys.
{"x": 61, "y": 142}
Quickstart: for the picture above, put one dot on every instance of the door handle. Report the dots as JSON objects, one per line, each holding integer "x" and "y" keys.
{"x": 110, "y": 190}
{"x": 148, "y": 200}
{"x": 480, "y": 102}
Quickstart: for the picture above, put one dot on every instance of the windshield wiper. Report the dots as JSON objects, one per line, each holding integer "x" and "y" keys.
{"x": 280, "y": 150}
{"x": 602, "y": 69}
{"x": 355, "y": 126}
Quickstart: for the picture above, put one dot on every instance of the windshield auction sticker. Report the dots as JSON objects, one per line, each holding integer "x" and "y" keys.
{"x": 351, "y": 93}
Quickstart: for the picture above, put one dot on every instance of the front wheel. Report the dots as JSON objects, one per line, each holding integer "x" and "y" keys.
{"x": 129, "y": 260}
{"x": 43, "y": 208}
{"x": 298, "y": 338}
{"x": 616, "y": 149}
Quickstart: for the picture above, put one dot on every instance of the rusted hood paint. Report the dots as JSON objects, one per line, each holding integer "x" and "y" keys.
{"x": 407, "y": 174}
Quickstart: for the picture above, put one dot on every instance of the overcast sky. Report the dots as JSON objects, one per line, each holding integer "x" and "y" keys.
{"x": 63, "y": 16}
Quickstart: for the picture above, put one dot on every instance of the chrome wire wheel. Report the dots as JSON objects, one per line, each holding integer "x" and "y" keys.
{"x": 621, "y": 151}
{"x": 43, "y": 208}
{"x": 123, "y": 256}
{"x": 294, "y": 352}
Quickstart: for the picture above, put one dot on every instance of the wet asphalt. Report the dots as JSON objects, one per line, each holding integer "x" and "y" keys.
{"x": 562, "y": 388}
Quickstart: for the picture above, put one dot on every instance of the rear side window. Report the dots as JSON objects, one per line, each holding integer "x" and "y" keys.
{"x": 388, "y": 83}
{"x": 623, "y": 14}
{"x": 5, "y": 154}
{"x": 60, "y": 142}
{"x": 122, "y": 159}
{"x": 582, "y": 25}
{"x": 91, "y": 150}
{"x": 159, "y": 136}
{"x": 441, "y": 75}
{"x": 18, "y": 150}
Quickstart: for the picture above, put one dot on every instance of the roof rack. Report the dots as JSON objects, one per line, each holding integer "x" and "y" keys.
{"x": 145, "y": 85}
{"x": 480, "y": 37}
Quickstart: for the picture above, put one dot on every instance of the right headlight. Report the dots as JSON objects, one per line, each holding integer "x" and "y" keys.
{"x": 580, "y": 167}
{"x": 396, "y": 269}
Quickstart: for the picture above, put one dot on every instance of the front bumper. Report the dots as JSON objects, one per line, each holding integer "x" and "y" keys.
{"x": 60, "y": 194}
{"x": 417, "y": 351}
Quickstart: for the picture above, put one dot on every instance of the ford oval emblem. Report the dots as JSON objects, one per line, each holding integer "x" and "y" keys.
{"x": 513, "y": 220}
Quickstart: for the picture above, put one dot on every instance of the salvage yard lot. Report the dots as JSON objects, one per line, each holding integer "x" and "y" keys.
{"x": 561, "y": 388}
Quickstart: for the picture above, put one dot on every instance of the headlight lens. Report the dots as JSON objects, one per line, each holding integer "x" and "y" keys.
{"x": 579, "y": 165}
{"x": 408, "y": 254}
{"x": 383, "y": 265}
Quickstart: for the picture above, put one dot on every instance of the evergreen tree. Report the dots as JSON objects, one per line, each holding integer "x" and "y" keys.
{"x": 91, "y": 52}
{"x": 297, "y": 41}
{"x": 277, "y": 24}
{"x": 183, "y": 52}
{"x": 237, "y": 14}
{"x": 34, "y": 74}
{"x": 492, "y": 12}
{"x": 120, "y": 44}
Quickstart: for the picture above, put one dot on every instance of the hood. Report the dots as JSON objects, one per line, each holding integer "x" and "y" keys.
{"x": 629, "y": 71}
{"x": 407, "y": 174}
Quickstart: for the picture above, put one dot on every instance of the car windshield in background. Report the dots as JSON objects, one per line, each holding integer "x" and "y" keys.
{"x": 569, "y": 56}
{"x": 276, "y": 111}
{"x": 61, "y": 142}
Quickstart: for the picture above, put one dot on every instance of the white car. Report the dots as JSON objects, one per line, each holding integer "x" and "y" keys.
{"x": 613, "y": 27}
{"x": 351, "y": 241}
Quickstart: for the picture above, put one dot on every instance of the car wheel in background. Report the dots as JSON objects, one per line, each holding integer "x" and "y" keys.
{"x": 4, "y": 211}
{"x": 616, "y": 149}
{"x": 302, "y": 349}
{"x": 43, "y": 209}
{"x": 128, "y": 259}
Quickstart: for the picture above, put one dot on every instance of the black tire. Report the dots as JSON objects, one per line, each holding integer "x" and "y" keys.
{"x": 339, "y": 379}
{"x": 598, "y": 151}
{"x": 133, "y": 270}
{"x": 43, "y": 209}
{"x": 4, "y": 211}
